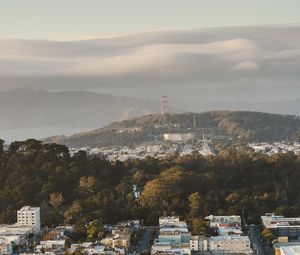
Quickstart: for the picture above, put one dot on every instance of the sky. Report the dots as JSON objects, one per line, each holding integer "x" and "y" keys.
{"x": 79, "y": 19}
{"x": 246, "y": 51}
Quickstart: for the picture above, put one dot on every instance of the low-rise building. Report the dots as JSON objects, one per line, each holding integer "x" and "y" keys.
{"x": 6, "y": 246}
{"x": 174, "y": 237}
{"x": 292, "y": 248}
{"x": 225, "y": 230}
{"x": 53, "y": 244}
{"x": 230, "y": 221}
{"x": 178, "y": 137}
{"x": 18, "y": 233}
{"x": 282, "y": 226}
{"x": 171, "y": 248}
{"x": 230, "y": 245}
{"x": 199, "y": 243}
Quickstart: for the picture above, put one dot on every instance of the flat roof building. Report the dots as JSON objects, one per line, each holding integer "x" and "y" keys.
{"x": 282, "y": 226}
{"x": 292, "y": 248}
{"x": 29, "y": 216}
{"x": 224, "y": 220}
{"x": 230, "y": 245}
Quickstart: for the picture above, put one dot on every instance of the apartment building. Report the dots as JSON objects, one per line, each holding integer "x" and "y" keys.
{"x": 29, "y": 216}
{"x": 174, "y": 237}
{"x": 282, "y": 226}
{"x": 199, "y": 243}
{"x": 219, "y": 221}
{"x": 231, "y": 244}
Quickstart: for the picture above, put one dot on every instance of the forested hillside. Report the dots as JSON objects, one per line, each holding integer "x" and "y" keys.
{"x": 81, "y": 188}
{"x": 242, "y": 126}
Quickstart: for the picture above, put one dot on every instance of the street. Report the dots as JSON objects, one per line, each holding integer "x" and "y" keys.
{"x": 144, "y": 242}
{"x": 255, "y": 240}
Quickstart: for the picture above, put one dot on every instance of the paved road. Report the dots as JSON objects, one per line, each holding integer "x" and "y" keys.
{"x": 255, "y": 240}
{"x": 144, "y": 242}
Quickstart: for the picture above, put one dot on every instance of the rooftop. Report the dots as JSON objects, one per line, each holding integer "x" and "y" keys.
{"x": 29, "y": 208}
{"x": 10, "y": 230}
{"x": 289, "y": 248}
{"x": 230, "y": 237}
{"x": 275, "y": 221}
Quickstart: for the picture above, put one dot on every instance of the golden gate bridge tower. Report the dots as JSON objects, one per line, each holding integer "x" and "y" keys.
{"x": 164, "y": 105}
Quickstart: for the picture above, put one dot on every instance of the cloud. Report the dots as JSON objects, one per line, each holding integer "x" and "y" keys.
{"x": 58, "y": 59}
{"x": 225, "y": 58}
{"x": 246, "y": 65}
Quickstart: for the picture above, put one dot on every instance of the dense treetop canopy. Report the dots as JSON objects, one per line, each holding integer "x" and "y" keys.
{"x": 83, "y": 188}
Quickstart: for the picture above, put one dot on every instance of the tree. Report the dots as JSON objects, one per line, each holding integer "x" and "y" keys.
{"x": 199, "y": 227}
{"x": 195, "y": 203}
{"x": 232, "y": 198}
{"x": 72, "y": 213}
{"x": 1, "y": 145}
{"x": 267, "y": 235}
{"x": 95, "y": 230}
{"x": 164, "y": 192}
{"x": 79, "y": 231}
{"x": 87, "y": 183}
{"x": 56, "y": 199}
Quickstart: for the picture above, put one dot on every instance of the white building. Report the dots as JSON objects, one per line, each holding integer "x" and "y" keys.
{"x": 168, "y": 220}
{"x": 222, "y": 221}
{"x": 226, "y": 230}
{"x": 287, "y": 248}
{"x": 199, "y": 243}
{"x": 174, "y": 237}
{"x": 29, "y": 216}
{"x": 171, "y": 248}
{"x": 6, "y": 246}
{"x": 282, "y": 226}
{"x": 17, "y": 233}
{"x": 53, "y": 244}
{"x": 178, "y": 137}
{"x": 230, "y": 245}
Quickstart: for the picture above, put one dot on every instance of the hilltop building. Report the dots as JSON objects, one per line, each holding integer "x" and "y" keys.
{"x": 179, "y": 137}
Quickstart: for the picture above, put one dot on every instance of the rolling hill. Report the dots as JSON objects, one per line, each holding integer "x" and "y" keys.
{"x": 238, "y": 125}
{"x": 25, "y": 108}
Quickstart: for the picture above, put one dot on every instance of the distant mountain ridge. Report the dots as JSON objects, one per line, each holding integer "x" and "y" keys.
{"x": 24, "y": 108}
{"x": 244, "y": 126}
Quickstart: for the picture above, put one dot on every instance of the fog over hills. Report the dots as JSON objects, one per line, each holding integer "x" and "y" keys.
{"x": 24, "y": 108}
{"x": 205, "y": 69}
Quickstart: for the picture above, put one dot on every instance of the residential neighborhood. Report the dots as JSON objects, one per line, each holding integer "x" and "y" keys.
{"x": 172, "y": 144}
{"x": 229, "y": 235}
